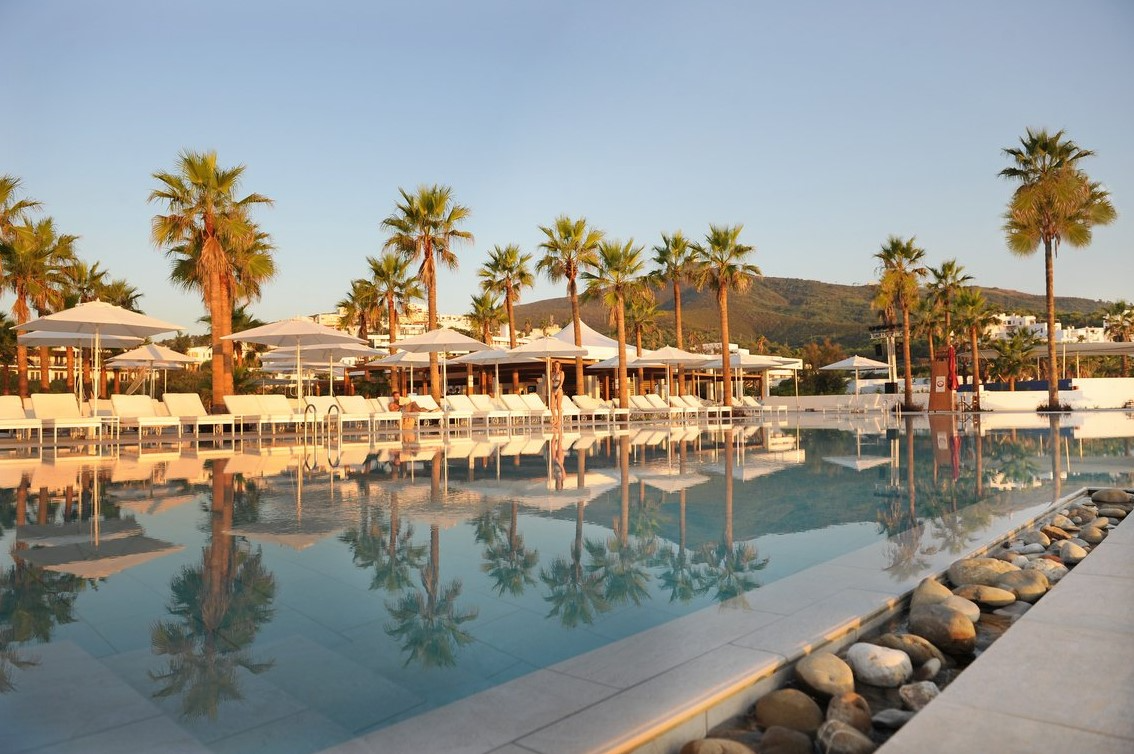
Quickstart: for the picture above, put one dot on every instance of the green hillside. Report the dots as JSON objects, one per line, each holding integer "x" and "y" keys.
{"x": 792, "y": 311}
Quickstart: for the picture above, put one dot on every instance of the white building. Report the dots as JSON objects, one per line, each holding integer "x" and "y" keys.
{"x": 1007, "y": 324}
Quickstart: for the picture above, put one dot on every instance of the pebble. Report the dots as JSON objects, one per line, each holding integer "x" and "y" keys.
{"x": 986, "y": 596}
{"x": 1015, "y": 610}
{"x": 919, "y": 650}
{"x": 1028, "y": 585}
{"x": 1092, "y": 535}
{"x": 1111, "y": 512}
{"x": 880, "y": 666}
{"x": 945, "y": 628}
{"x": 1020, "y": 561}
{"x": 1110, "y": 495}
{"x": 930, "y": 591}
{"x": 978, "y": 571}
{"x": 1071, "y": 553}
{"x": 825, "y": 674}
{"x": 1035, "y": 547}
{"x": 1035, "y": 537}
{"x": 892, "y": 718}
{"x": 1053, "y": 570}
{"x": 1064, "y": 523}
{"x": 716, "y": 746}
{"x": 781, "y": 740}
{"x": 1055, "y": 533}
{"x": 970, "y": 609}
{"x": 851, "y": 709}
{"x": 790, "y": 708}
{"x": 836, "y": 737}
{"x": 928, "y": 671}
{"x": 916, "y": 695}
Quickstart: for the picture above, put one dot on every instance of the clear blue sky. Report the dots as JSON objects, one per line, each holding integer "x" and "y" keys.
{"x": 823, "y": 127}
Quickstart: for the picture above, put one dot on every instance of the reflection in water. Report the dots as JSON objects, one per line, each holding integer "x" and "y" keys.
{"x": 428, "y": 622}
{"x": 221, "y": 604}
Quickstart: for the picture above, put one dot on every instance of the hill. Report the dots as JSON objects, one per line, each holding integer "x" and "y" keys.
{"x": 791, "y": 311}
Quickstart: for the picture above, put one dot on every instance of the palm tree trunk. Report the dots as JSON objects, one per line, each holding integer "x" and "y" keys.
{"x": 70, "y": 369}
{"x": 216, "y": 316}
{"x": 726, "y": 370}
{"x": 906, "y": 356}
{"x": 1052, "y": 367}
{"x": 638, "y": 353}
{"x": 434, "y": 373}
{"x": 728, "y": 480}
{"x": 680, "y": 386}
{"x": 22, "y": 370}
{"x": 44, "y": 369}
{"x": 976, "y": 368}
{"x": 512, "y": 341}
{"x": 227, "y": 350}
{"x": 620, "y": 320}
{"x": 392, "y": 335}
{"x": 573, "y": 294}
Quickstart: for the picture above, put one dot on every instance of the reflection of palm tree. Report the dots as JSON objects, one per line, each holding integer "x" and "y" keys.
{"x": 222, "y": 604}
{"x": 904, "y": 544}
{"x": 508, "y": 561}
{"x": 385, "y": 547}
{"x": 428, "y": 621}
{"x": 729, "y": 564}
{"x": 574, "y": 593}
{"x": 619, "y": 562}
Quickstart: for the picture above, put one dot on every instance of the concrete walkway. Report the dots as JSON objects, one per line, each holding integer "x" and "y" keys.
{"x": 1060, "y": 679}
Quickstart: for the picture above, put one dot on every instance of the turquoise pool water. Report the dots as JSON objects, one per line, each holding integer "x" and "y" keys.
{"x": 287, "y": 598}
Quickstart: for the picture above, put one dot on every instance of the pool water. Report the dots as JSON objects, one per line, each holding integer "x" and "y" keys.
{"x": 272, "y": 598}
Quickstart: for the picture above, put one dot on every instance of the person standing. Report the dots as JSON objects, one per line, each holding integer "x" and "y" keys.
{"x": 556, "y": 395}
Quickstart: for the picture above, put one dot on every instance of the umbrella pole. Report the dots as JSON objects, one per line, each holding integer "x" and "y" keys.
{"x": 331, "y": 371}
{"x": 298, "y": 373}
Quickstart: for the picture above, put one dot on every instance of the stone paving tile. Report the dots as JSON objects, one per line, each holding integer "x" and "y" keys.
{"x": 157, "y": 734}
{"x": 486, "y": 721}
{"x": 637, "y": 710}
{"x": 945, "y": 726}
{"x": 1089, "y": 600}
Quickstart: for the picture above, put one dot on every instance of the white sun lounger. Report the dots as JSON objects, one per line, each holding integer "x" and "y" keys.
{"x": 61, "y": 411}
{"x": 137, "y": 412}
{"x": 190, "y": 411}
{"x": 14, "y": 419}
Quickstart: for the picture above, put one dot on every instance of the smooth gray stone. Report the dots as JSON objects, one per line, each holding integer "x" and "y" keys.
{"x": 892, "y": 718}
{"x": 825, "y": 673}
{"x": 916, "y": 695}
{"x": 929, "y": 592}
{"x": 978, "y": 571}
{"x": 928, "y": 671}
{"x": 851, "y": 709}
{"x": 1110, "y": 495}
{"x": 836, "y": 737}
{"x": 879, "y": 666}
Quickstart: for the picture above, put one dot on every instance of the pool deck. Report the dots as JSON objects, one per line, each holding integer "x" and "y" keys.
{"x": 1060, "y": 679}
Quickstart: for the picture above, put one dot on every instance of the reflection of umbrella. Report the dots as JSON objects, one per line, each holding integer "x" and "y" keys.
{"x": 298, "y": 535}
{"x": 296, "y": 333}
{"x": 439, "y": 341}
{"x": 669, "y": 479}
{"x": 858, "y": 463}
{"x": 856, "y": 364}
{"x": 75, "y": 532}
{"x": 99, "y": 318}
{"x": 89, "y": 561}
{"x": 542, "y": 493}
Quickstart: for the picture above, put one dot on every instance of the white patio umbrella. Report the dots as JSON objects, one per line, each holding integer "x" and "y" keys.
{"x": 440, "y": 341}
{"x": 856, "y": 364}
{"x": 495, "y": 357}
{"x": 151, "y": 356}
{"x": 742, "y": 361}
{"x": 75, "y": 340}
{"x": 327, "y": 352}
{"x": 403, "y": 359}
{"x": 297, "y": 333}
{"x": 548, "y": 348}
{"x": 670, "y": 356}
{"x": 99, "y": 319}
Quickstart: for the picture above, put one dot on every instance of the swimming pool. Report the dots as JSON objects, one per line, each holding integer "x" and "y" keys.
{"x": 289, "y": 599}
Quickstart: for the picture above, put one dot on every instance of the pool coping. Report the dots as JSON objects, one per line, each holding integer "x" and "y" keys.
{"x": 656, "y": 690}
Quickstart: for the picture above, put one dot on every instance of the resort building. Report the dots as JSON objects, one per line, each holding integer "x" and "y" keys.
{"x": 1007, "y": 324}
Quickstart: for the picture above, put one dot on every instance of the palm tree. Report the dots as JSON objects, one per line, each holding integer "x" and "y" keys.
{"x": 974, "y": 316}
{"x": 674, "y": 260}
{"x": 900, "y": 270}
{"x": 1118, "y": 322}
{"x": 721, "y": 264}
{"x": 205, "y": 230}
{"x": 1055, "y": 202}
{"x": 33, "y": 264}
{"x": 570, "y": 247}
{"x": 642, "y": 314}
{"x": 946, "y": 281}
{"x": 926, "y": 321}
{"x": 360, "y": 307}
{"x": 120, "y": 292}
{"x": 13, "y": 210}
{"x": 396, "y": 286}
{"x": 424, "y": 227}
{"x": 615, "y": 276}
{"x": 486, "y": 316}
{"x": 1014, "y": 355}
{"x": 507, "y": 272}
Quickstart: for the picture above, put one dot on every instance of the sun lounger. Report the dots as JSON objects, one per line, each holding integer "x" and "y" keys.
{"x": 464, "y": 405}
{"x": 675, "y": 412}
{"x": 61, "y": 411}
{"x": 190, "y": 411}
{"x": 14, "y": 419}
{"x": 589, "y": 405}
{"x": 328, "y": 409}
{"x": 641, "y": 408}
{"x": 270, "y": 411}
{"x": 137, "y": 412}
{"x": 487, "y": 406}
{"x": 521, "y": 411}
{"x": 538, "y": 408}
{"x": 430, "y": 411}
{"x": 712, "y": 408}
{"x": 381, "y": 415}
